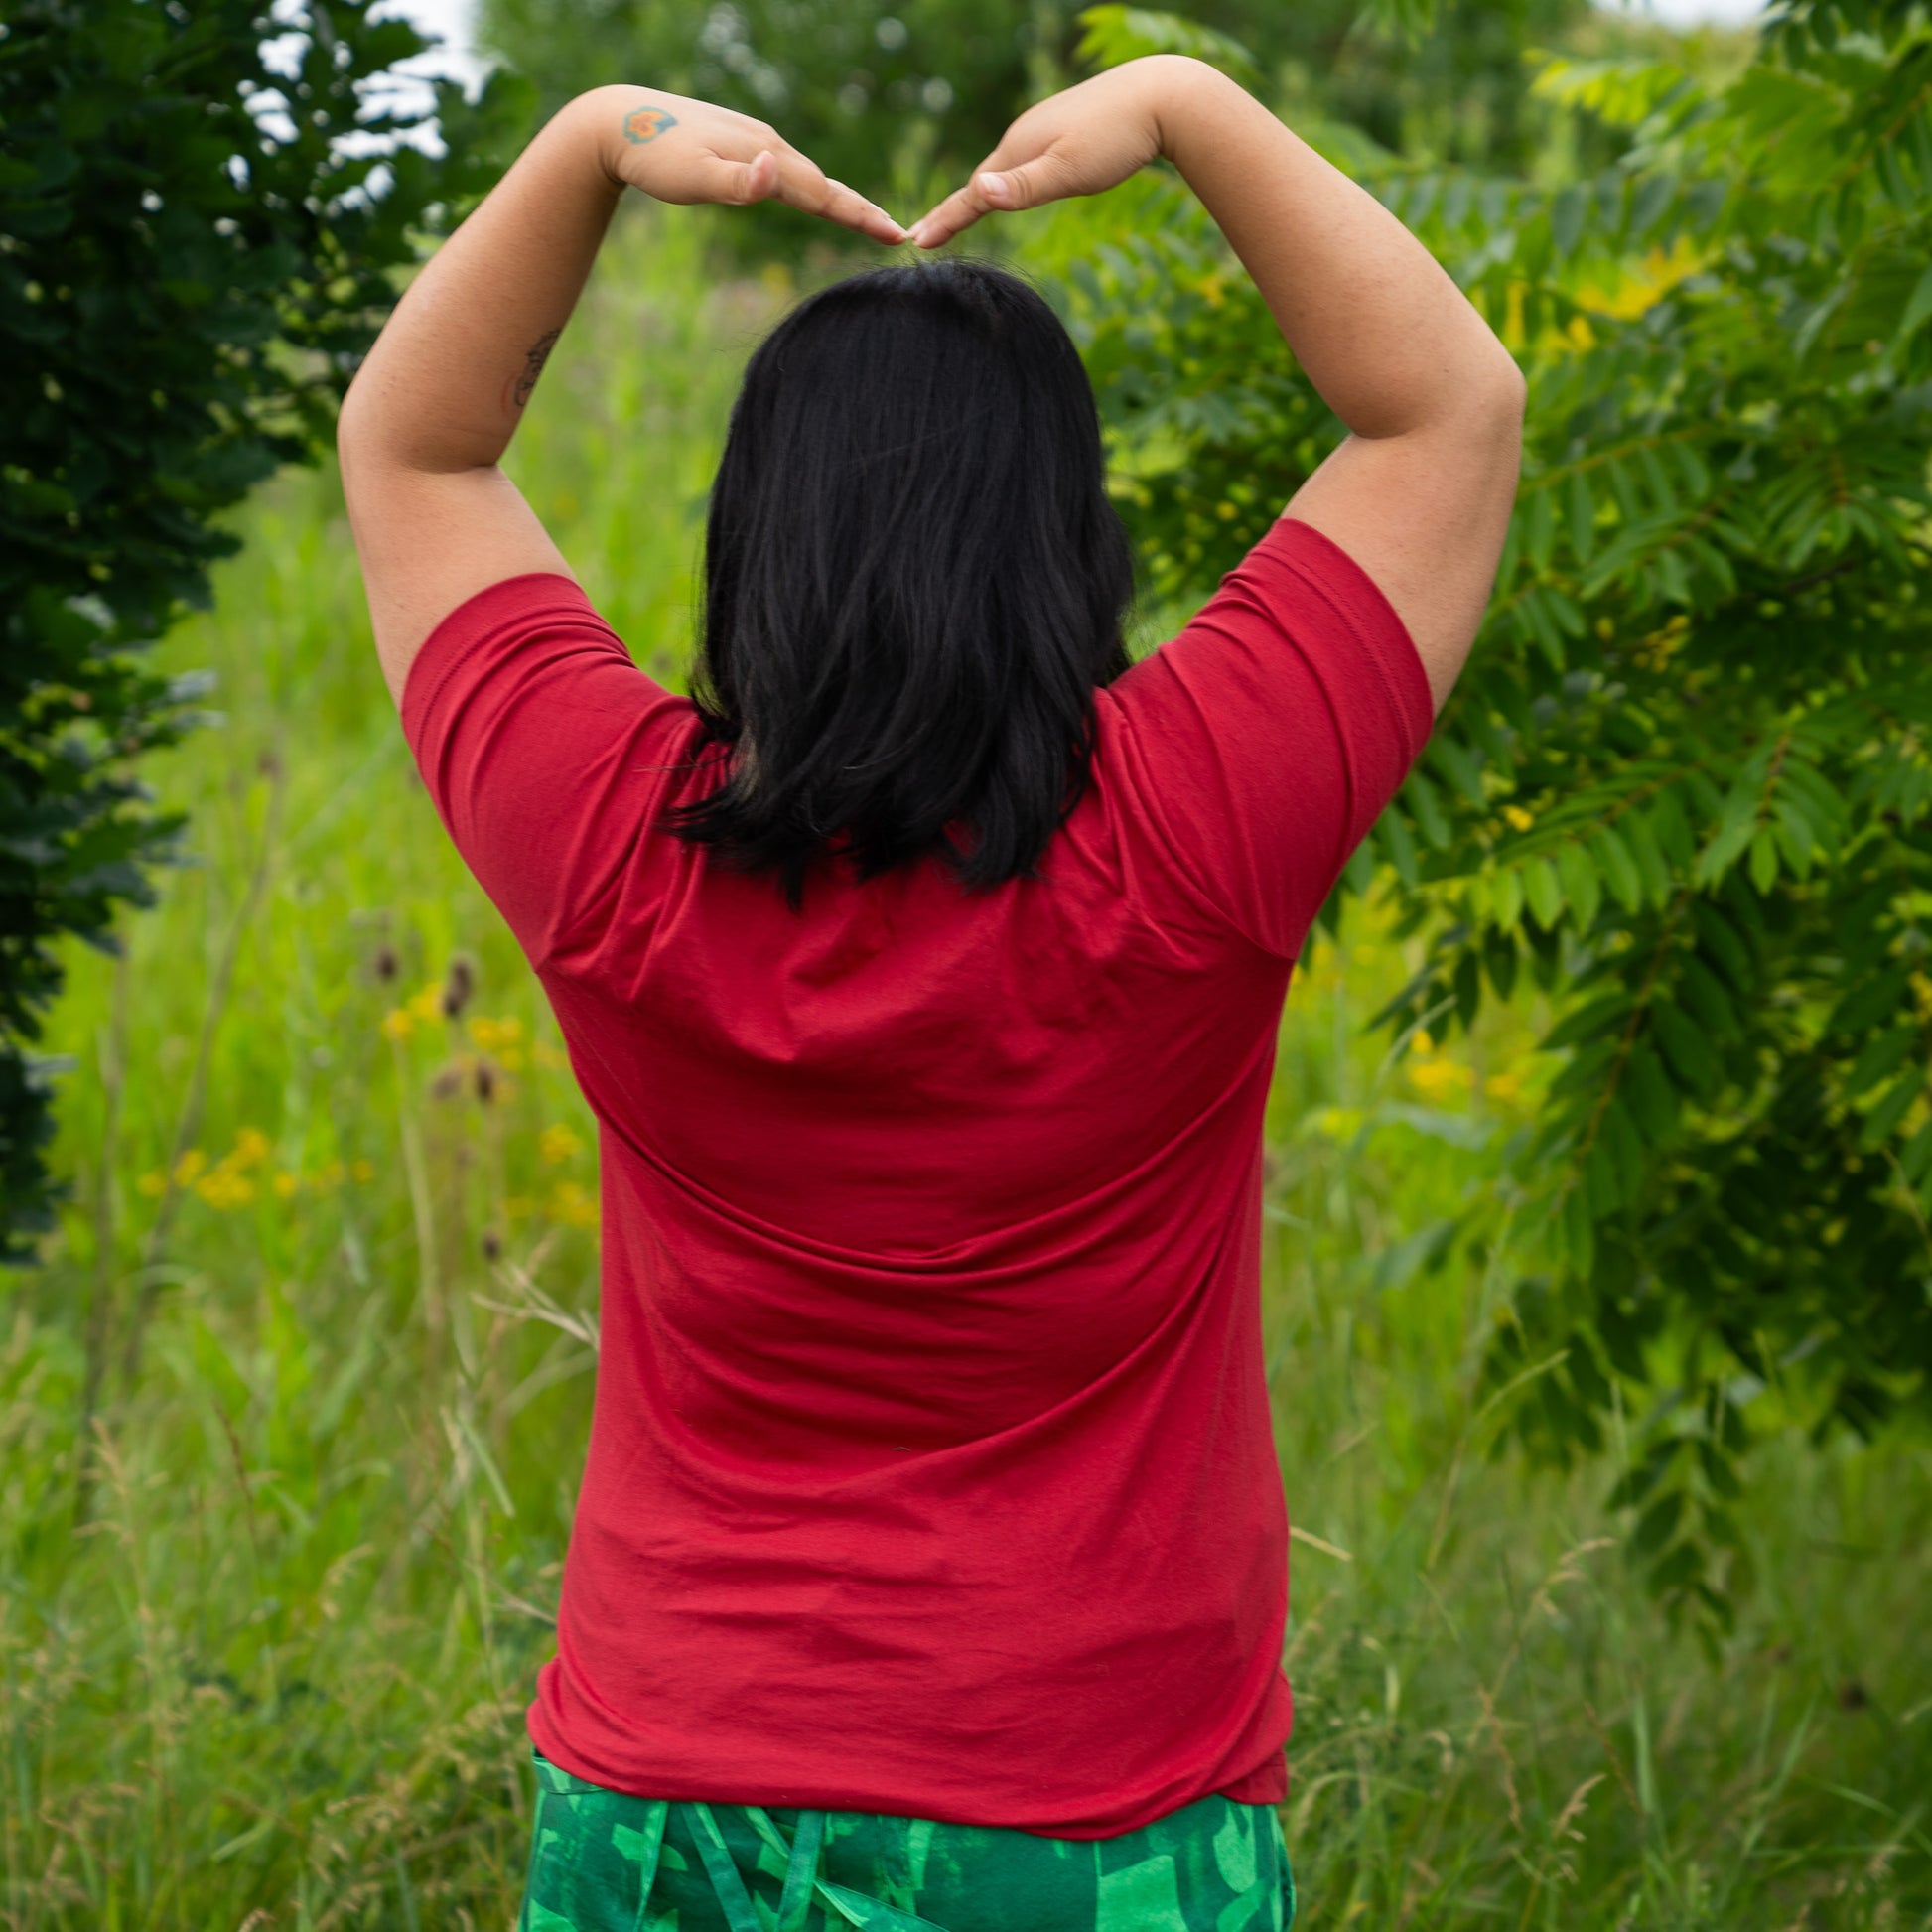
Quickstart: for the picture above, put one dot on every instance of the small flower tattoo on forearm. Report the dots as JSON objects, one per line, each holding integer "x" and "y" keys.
{"x": 644, "y": 124}
{"x": 518, "y": 390}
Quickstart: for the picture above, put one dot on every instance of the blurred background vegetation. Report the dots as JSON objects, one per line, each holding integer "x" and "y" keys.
{"x": 868, "y": 89}
{"x": 893, "y": 99}
{"x": 272, "y": 1595}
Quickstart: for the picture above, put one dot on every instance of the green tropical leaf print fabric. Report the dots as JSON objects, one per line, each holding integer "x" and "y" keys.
{"x": 605, "y": 1861}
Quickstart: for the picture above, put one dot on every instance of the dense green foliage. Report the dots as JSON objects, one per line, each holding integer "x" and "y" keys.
{"x": 284, "y": 1671}
{"x": 190, "y": 259}
{"x": 894, "y": 98}
{"x": 1686, "y": 785}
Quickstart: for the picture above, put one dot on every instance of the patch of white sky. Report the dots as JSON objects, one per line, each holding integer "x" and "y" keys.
{"x": 403, "y": 89}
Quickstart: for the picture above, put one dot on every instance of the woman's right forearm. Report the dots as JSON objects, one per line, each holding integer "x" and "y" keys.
{"x": 1389, "y": 340}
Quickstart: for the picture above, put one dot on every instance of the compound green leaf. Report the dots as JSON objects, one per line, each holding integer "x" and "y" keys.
{"x": 1892, "y": 1109}
{"x": 1686, "y": 1051}
{"x": 1583, "y": 884}
{"x": 1542, "y": 891}
{"x": 1651, "y": 1097}
{"x": 1619, "y": 1133}
{"x": 1619, "y": 869}
{"x": 1881, "y": 1057}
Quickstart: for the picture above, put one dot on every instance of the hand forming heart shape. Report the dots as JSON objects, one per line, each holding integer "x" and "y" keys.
{"x": 1078, "y": 142}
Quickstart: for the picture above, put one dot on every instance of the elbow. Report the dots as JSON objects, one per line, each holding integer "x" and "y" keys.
{"x": 352, "y": 429}
{"x": 1495, "y": 402}
{"x": 1518, "y": 388}
{"x": 366, "y": 438}
{"x": 1503, "y": 389}
{"x": 1479, "y": 398}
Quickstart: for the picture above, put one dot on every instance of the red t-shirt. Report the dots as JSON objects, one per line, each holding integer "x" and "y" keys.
{"x": 930, "y": 1466}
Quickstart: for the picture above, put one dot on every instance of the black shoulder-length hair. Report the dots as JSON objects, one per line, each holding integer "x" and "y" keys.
{"x": 914, "y": 583}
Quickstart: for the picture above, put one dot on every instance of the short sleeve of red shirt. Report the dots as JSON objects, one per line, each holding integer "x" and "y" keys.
{"x": 1265, "y": 738}
{"x": 537, "y": 735}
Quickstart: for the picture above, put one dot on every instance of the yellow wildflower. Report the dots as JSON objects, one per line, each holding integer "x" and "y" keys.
{"x": 1519, "y": 818}
{"x": 570, "y": 1205}
{"x": 189, "y": 1166}
{"x": 398, "y": 1024}
{"x": 1438, "y": 1079}
{"x": 1506, "y": 1086}
{"x": 285, "y": 1186}
{"x": 1635, "y": 290}
{"x": 222, "y": 1189}
{"x": 558, "y": 1143}
{"x": 152, "y": 1184}
{"x": 250, "y": 1145}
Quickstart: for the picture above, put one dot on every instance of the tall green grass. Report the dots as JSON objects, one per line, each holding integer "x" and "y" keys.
{"x": 291, "y": 1422}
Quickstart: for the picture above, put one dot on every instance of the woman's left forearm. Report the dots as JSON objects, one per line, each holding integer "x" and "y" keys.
{"x": 446, "y": 383}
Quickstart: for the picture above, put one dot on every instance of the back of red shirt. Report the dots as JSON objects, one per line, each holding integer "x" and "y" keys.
{"x": 930, "y": 1469}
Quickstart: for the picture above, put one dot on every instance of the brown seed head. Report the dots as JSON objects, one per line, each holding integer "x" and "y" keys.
{"x": 485, "y": 1079}
{"x": 493, "y": 1244}
{"x": 458, "y": 988}
{"x": 385, "y": 965}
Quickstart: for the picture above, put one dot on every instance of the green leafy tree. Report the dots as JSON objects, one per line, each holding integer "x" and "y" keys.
{"x": 1685, "y": 785}
{"x": 194, "y": 251}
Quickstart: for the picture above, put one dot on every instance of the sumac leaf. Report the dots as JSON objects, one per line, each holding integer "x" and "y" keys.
{"x": 1686, "y": 1051}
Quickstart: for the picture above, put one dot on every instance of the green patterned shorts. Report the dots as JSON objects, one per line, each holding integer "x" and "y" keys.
{"x": 604, "y": 1862}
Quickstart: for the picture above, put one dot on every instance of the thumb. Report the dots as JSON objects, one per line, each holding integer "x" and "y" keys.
{"x": 1024, "y": 185}
{"x": 739, "y": 182}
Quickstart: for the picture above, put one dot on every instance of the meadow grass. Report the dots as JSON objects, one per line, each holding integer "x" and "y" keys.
{"x": 293, "y": 1416}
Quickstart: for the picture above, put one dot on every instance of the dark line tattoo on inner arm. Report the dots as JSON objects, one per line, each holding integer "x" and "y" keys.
{"x": 517, "y": 391}
{"x": 644, "y": 124}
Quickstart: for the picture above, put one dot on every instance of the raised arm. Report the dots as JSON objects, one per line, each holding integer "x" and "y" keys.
{"x": 436, "y": 402}
{"x": 1420, "y": 491}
